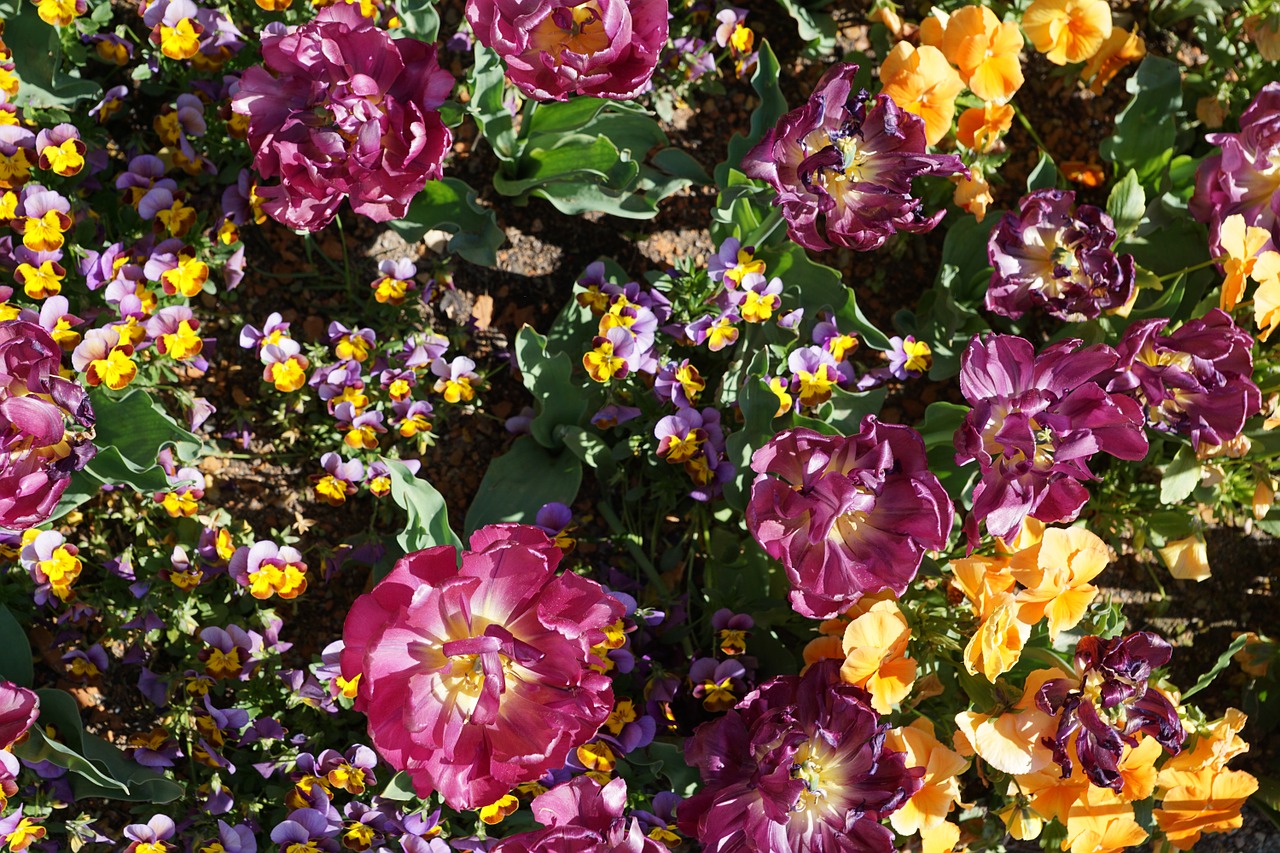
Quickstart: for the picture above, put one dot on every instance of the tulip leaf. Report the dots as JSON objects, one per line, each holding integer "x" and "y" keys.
{"x": 846, "y": 409}
{"x": 1147, "y": 127}
{"x": 39, "y": 747}
{"x": 758, "y": 405}
{"x": 820, "y": 288}
{"x": 419, "y": 19}
{"x": 136, "y": 426}
{"x": 15, "y": 650}
{"x": 450, "y": 205}
{"x": 39, "y": 62}
{"x": 428, "y": 523}
{"x": 142, "y": 784}
{"x": 1223, "y": 661}
{"x": 519, "y": 482}
{"x": 1044, "y": 176}
{"x": 1181, "y": 476}
{"x": 550, "y": 379}
{"x": 816, "y": 28}
{"x": 400, "y": 788}
{"x": 1126, "y": 204}
{"x": 488, "y": 104}
{"x": 771, "y": 108}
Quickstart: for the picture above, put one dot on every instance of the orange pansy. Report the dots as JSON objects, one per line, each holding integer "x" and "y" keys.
{"x": 1101, "y": 822}
{"x": 921, "y": 81}
{"x": 1067, "y": 30}
{"x": 940, "y": 788}
{"x": 985, "y": 49}
{"x": 1118, "y": 50}
{"x": 1056, "y": 574}
{"x": 1011, "y": 742}
{"x": 981, "y": 127}
{"x": 875, "y": 647}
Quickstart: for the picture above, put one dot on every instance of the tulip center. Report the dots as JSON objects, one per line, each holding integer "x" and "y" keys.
{"x": 577, "y": 29}
{"x": 855, "y": 159}
{"x": 821, "y": 777}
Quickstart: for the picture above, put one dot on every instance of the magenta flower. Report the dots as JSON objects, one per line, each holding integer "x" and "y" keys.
{"x": 479, "y": 678}
{"x": 1242, "y": 178}
{"x": 1195, "y": 381}
{"x": 847, "y": 516}
{"x": 1107, "y": 703}
{"x": 800, "y": 767}
{"x": 342, "y": 109}
{"x": 583, "y": 817}
{"x": 555, "y": 48}
{"x": 1057, "y": 258}
{"x": 843, "y": 164}
{"x": 1035, "y": 423}
{"x": 19, "y": 708}
{"x": 38, "y": 449}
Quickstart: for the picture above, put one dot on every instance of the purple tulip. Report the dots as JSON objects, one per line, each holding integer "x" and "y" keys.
{"x": 19, "y": 708}
{"x": 1242, "y": 177}
{"x": 1035, "y": 423}
{"x": 342, "y": 109}
{"x": 843, "y": 164}
{"x": 1107, "y": 703}
{"x": 847, "y": 516}
{"x": 555, "y": 48}
{"x": 1195, "y": 381}
{"x": 1057, "y": 258}
{"x": 38, "y": 454}
{"x": 800, "y": 766}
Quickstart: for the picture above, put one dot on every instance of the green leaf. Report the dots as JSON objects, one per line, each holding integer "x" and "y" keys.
{"x": 588, "y": 447}
{"x": 59, "y": 709}
{"x": 1147, "y": 127}
{"x": 819, "y": 30}
{"x": 1223, "y": 661}
{"x": 1126, "y": 204}
{"x": 400, "y": 788}
{"x": 38, "y": 60}
{"x": 763, "y": 117}
{"x": 1044, "y": 176}
{"x": 419, "y": 19}
{"x": 142, "y": 784}
{"x": 428, "y": 524}
{"x": 450, "y": 205}
{"x": 15, "y": 650}
{"x": 668, "y": 759}
{"x": 1181, "y": 476}
{"x": 488, "y": 103}
{"x": 573, "y": 157}
{"x": 561, "y": 401}
{"x": 138, "y": 428}
{"x": 109, "y": 466}
{"x": 848, "y": 408}
{"x": 519, "y": 482}
{"x": 40, "y": 748}
{"x": 758, "y": 405}
{"x": 818, "y": 287}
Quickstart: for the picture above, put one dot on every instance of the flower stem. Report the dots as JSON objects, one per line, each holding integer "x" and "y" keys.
{"x": 1192, "y": 268}
{"x": 1035, "y": 137}
{"x": 765, "y": 229}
